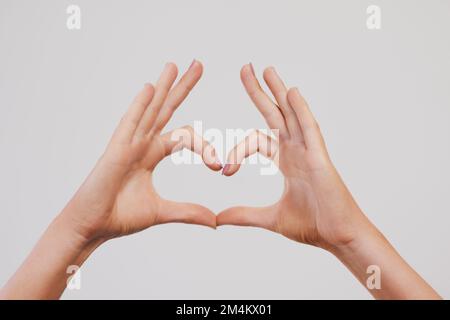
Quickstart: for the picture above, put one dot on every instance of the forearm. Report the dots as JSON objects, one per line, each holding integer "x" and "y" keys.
{"x": 43, "y": 275}
{"x": 398, "y": 279}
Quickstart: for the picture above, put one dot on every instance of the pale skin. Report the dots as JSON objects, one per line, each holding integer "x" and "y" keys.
{"x": 316, "y": 208}
{"x": 118, "y": 197}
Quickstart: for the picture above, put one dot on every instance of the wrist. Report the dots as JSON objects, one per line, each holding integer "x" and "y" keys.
{"x": 78, "y": 240}
{"x": 379, "y": 267}
{"x": 363, "y": 235}
{"x": 44, "y": 273}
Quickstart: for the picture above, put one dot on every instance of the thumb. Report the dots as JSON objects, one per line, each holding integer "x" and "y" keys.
{"x": 171, "y": 211}
{"x": 261, "y": 217}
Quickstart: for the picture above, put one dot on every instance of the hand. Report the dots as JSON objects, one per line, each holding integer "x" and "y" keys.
{"x": 118, "y": 197}
{"x": 316, "y": 208}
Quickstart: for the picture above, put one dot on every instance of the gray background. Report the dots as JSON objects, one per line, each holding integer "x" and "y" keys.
{"x": 382, "y": 99}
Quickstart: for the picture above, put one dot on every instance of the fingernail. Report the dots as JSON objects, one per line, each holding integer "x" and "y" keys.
{"x": 252, "y": 69}
{"x": 192, "y": 63}
{"x": 225, "y": 169}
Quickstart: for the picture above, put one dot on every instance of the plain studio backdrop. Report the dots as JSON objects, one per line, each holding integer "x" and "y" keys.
{"x": 381, "y": 97}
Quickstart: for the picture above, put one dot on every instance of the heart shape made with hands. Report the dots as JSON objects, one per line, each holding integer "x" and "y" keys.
{"x": 119, "y": 197}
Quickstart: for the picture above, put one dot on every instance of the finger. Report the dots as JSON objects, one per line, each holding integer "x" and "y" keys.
{"x": 253, "y": 143}
{"x": 310, "y": 128}
{"x": 265, "y": 105}
{"x": 187, "y": 138}
{"x": 171, "y": 211}
{"x": 279, "y": 91}
{"x": 129, "y": 122}
{"x": 162, "y": 88}
{"x": 264, "y": 217}
{"x": 178, "y": 94}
